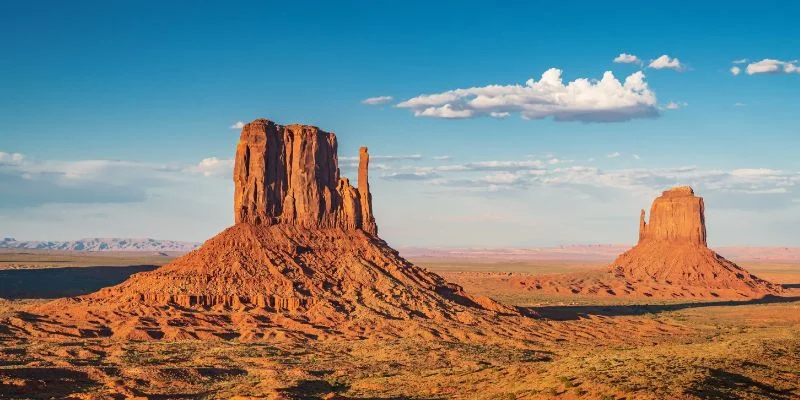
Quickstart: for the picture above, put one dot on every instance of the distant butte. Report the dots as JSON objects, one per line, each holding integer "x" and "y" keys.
{"x": 671, "y": 260}
{"x": 672, "y": 250}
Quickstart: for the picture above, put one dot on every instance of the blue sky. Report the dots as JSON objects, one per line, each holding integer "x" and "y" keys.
{"x": 108, "y": 109}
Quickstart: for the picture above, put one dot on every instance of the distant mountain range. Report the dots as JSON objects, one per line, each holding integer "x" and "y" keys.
{"x": 594, "y": 252}
{"x": 102, "y": 244}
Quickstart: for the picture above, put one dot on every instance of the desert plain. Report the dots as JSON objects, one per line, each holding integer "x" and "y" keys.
{"x": 585, "y": 347}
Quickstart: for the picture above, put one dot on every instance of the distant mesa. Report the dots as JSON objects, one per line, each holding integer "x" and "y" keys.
{"x": 302, "y": 261}
{"x": 672, "y": 250}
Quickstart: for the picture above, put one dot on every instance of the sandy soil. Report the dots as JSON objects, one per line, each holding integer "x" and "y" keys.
{"x": 592, "y": 347}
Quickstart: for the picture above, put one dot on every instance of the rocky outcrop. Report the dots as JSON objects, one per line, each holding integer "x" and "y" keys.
{"x": 675, "y": 216}
{"x": 367, "y": 219}
{"x": 290, "y": 175}
{"x": 303, "y": 260}
{"x": 672, "y": 251}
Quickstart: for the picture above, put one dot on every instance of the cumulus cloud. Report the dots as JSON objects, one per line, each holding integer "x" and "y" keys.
{"x": 237, "y": 125}
{"x": 444, "y": 111}
{"x": 583, "y": 100}
{"x": 377, "y": 100}
{"x": 624, "y": 58}
{"x": 735, "y": 70}
{"x": 665, "y": 62}
{"x": 772, "y": 66}
{"x": 213, "y": 166}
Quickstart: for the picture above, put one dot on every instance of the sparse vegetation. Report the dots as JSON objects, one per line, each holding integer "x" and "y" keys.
{"x": 691, "y": 352}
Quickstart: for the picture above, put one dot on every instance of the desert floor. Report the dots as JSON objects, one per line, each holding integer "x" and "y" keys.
{"x": 628, "y": 348}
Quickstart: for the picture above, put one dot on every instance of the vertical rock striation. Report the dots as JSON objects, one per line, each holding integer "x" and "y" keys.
{"x": 290, "y": 175}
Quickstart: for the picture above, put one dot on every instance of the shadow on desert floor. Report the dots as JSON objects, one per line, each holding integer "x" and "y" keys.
{"x": 566, "y": 313}
{"x": 315, "y": 389}
{"x": 721, "y": 384}
{"x": 49, "y": 283}
{"x": 791, "y": 285}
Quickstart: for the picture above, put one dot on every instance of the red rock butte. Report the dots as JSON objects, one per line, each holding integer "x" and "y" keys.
{"x": 290, "y": 175}
{"x": 672, "y": 250}
{"x": 303, "y": 260}
{"x": 676, "y": 216}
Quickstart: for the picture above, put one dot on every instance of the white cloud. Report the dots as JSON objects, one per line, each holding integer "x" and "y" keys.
{"x": 675, "y": 105}
{"x": 499, "y": 114}
{"x": 772, "y": 66}
{"x": 28, "y": 183}
{"x": 666, "y": 62}
{"x": 411, "y": 176}
{"x": 738, "y": 104}
{"x": 11, "y": 158}
{"x": 503, "y": 165}
{"x": 31, "y": 183}
{"x": 442, "y": 158}
{"x": 402, "y": 157}
{"x": 213, "y": 166}
{"x": 735, "y": 70}
{"x": 778, "y": 186}
{"x": 613, "y": 155}
{"x": 445, "y": 111}
{"x": 636, "y": 157}
{"x": 624, "y": 58}
{"x": 584, "y": 100}
{"x": 377, "y": 100}
{"x": 740, "y": 61}
{"x": 237, "y": 125}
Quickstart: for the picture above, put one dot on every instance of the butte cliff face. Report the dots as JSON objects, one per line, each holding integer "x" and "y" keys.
{"x": 672, "y": 250}
{"x": 290, "y": 175}
{"x": 303, "y": 260}
{"x": 675, "y": 216}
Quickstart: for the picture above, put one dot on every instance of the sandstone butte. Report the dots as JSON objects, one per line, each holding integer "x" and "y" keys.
{"x": 672, "y": 251}
{"x": 671, "y": 260}
{"x": 302, "y": 261}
